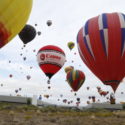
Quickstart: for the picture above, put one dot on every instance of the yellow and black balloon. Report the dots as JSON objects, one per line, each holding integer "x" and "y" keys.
{"x": 71, "y": 45}
{"x": 13, "y": 16}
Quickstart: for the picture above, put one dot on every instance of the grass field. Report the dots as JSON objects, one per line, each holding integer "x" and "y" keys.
{"x": 20, "y": 114}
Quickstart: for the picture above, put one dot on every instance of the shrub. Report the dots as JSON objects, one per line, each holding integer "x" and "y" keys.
{"x": 29, "y": 101}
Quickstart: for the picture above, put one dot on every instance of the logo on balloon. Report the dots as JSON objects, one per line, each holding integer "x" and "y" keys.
{"x": 53, "y": 56}
{"x": 42, "y": 56}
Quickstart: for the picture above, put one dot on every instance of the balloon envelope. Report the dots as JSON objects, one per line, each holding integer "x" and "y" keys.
{"x": 68, "y": 69}
{"x": 50, "y": 59}
{"x": 27, "y": 34}
{"x": 13, "y": 16}
{"x": 49, "y": 22}
{"x": 71, "y": 45}
{"x": 75, "y": 79}
{"x": 101, "y": 44}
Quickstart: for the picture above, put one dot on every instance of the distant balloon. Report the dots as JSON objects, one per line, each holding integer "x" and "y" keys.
{"x": 64, "y": 100}
{"x": 68, "y": 69}
{"x": 31, "y": 67}
{"x": 71, "y": 45}
{"x": 101, "y": 45}
{"x": 24, "y": 58}
{"x": 49, "y": 22}
{"x": 39, "y": 33}
{"x": 49, "y": 87}
{"x": 68, "y": 102}
{"x": 78, "y": 99}
{"x": 93, "y": 98}
{"x": 50, "y": 59}
{"x": 20, "y": 89}
{"x": 28, "y": 77}
{"x": 34, "y": 50}
{"x": 46, "y": 96}
{"x": 10, "y": 75}
{"x": 89, "y": 97}
{"x": 87, "y": 87}
{"x": 107, "y": 98}
{"x": 61, "y": 95}
{"x": 16, "y": 91}
{"x": 75, "y": 78}
{"x": 21, "y": 54}
{"x": 27, "y": 34}
{"x": 101, "y": 92}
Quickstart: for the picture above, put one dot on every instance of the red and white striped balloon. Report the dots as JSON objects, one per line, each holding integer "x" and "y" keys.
{"x": 50, "y": 59}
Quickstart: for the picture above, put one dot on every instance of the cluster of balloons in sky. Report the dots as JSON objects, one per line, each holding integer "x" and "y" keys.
{"x": 100, "y": 42}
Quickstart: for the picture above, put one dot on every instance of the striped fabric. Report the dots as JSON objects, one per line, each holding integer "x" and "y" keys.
{"x": 101, "y": 45}
{"x": 50, "y": 59}
{"x": 75, "y": 79}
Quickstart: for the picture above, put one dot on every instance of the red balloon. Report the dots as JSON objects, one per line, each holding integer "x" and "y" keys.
{"x": 50, "y": 58}
{"x": 101, "y": 44}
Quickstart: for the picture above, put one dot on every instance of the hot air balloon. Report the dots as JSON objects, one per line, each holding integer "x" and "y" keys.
{"x": 27, "y": 34}
{"x": 78, "y": 99}
{"x": 68, "y": 69}
{"x": 101, "y": 92}
{"x": 71, "y": 45}
{"x": 93, "y": 99}
{"x": 50, "y": 59}
{"x": 101, "y": 45}
{"x": 35, "y": 24}
{"x": 49, "y": 87}
{"x": 13, "y": 16}
{"x": 10, "y": 75}
{"x": 39, "y": 33}
{"x": 20, "y": 89}
{"x": 64, "y": 100}
{"x": 89, "y": 97}
{"x": 87, "y": 87}
{"x": 75, "y": 79}
{"x": 46, "y": 96}
{"x": 28, "y": 77}
{"x": 16, "y": 91}
{"x": 49, "y": 23}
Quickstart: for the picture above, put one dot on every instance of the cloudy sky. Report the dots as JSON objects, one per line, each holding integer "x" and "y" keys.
{"x": 67, "y": 16}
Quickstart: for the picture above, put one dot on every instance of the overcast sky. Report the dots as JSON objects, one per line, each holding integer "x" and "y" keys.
{"x": 67, "y": 16}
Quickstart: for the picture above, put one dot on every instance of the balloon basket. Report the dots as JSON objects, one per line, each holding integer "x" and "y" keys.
{"x": 48, "y": 81}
